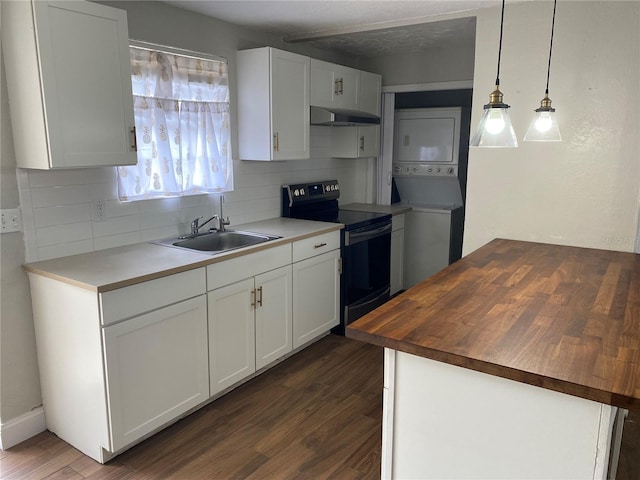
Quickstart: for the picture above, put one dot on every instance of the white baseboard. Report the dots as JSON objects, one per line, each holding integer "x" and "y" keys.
{"x": 21, "y": 428}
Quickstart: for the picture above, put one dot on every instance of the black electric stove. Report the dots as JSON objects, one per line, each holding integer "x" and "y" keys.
{"x": 365, "y": 245}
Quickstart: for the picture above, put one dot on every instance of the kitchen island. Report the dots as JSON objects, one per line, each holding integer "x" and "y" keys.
{"x": 510, "y": 363}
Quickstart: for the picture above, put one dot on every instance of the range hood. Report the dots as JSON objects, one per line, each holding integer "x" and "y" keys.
{"x": 322, "y": 116}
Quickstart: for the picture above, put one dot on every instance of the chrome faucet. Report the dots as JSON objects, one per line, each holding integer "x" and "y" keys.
{"x": 222, "y": 222}
{"x": 196, "y": 225}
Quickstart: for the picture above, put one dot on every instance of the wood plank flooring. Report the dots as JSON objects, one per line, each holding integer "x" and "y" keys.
{"x": 315, "y": 416}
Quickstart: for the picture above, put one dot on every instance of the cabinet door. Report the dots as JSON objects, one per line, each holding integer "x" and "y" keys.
{"x": 86, "y": 83}
{"x": 290, "y": 105}
{"x": 334, "y": 86}
{"x": 231, "y": 334}
{"x": 355, "y": 141}
{"x": 273, "y": 315}
{"x": 368, "y": 141}
{"x": 323, "y": 84}
{"x": 156, "y": 366}
{"x": 316, "y": 296}
{"x": 348, "y": 88}
{"x": 370, "y": 93}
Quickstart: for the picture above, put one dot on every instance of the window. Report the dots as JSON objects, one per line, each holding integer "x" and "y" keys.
{"x": 181, "y": 108}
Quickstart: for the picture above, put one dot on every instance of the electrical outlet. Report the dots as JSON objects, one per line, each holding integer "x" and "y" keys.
{"x": 100, "y": 214}
{"x": 11, "y": 220}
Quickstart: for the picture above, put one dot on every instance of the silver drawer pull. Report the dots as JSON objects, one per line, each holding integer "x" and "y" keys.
{"x": 320, "y": 245}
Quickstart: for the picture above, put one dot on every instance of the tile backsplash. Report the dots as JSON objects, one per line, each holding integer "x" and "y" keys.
{"x": 60, "y": 207}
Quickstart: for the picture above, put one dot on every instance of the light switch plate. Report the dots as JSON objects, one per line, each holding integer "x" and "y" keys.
{"x": 11, "y": 220}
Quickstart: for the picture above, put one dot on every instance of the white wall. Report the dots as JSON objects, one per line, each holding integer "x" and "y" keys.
{"x": 58, "y": 207}
{"x": 583, "y": 191}
{"x": 19, "y": 386}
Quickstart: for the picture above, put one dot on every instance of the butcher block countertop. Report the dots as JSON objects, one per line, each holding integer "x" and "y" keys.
{"x": 562, "y": 318}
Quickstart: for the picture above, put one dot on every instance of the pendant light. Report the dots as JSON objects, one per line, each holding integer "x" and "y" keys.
{"x": 495, "y": 129}
{"x": 544, "y": 126}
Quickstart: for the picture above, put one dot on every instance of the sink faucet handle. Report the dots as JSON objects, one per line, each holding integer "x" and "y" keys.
{"x": 195, "y": 224}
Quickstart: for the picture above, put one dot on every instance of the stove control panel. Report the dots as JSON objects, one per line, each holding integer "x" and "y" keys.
{"x": 325, "y": 190}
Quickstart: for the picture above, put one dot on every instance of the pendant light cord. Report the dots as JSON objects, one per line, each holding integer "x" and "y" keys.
{"x": 553, "y": 23}
{"x": 500, "y": 45}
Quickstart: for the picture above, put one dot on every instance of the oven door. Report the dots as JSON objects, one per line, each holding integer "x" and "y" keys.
{"x": 366, "y": 260}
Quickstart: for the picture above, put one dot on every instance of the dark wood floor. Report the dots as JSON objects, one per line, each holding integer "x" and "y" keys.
{"x": 315, "y": 416}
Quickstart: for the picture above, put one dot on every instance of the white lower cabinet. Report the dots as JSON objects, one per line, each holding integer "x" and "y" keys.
{"x": 316, "y": 296}
{"x": 511, "y": 430}
{"x": 249, "y": 319}
{"x": 273, "y": 316}
{"x": 156, "y": 368}
{"x": 231, "y": 335}
{"x": 117, "y": 366}
{"x": 249, "y": 326}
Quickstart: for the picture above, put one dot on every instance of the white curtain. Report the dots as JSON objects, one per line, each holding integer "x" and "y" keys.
{"x": 181, "y": 107}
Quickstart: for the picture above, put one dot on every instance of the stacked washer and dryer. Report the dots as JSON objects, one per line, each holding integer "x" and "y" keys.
{"x": 429, "y": 173}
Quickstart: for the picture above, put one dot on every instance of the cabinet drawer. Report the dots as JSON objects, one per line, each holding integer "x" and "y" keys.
{"x": 239, "y": 268}
{"x": 310, "y": 247}
{"x": 397, "y": 222}
{"x": 146, "y": 296}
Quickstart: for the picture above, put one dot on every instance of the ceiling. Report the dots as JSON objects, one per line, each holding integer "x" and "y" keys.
{"x": 354, "y": 27}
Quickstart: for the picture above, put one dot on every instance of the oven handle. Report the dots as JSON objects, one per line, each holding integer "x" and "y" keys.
{"x": 351, "y": 238}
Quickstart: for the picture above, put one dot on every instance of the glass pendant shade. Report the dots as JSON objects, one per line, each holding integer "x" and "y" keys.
{"x": 543, "y": 128}
{"x": 495, "y": 128}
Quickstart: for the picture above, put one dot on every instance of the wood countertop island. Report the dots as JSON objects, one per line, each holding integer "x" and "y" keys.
{"x": 566, "y": 319}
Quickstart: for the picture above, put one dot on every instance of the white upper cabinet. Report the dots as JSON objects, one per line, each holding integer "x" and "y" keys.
{"x": 337, "y": 87}
{"x": 273, "y": 104}
{"x": 69, "y": 84}
{"x": 370, "y": 93}
{"x": 334, "y": 86}
{"x": 355, "y": 141}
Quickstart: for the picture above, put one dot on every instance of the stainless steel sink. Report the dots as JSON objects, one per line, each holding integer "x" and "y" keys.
{"x": 218, "y": 242}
